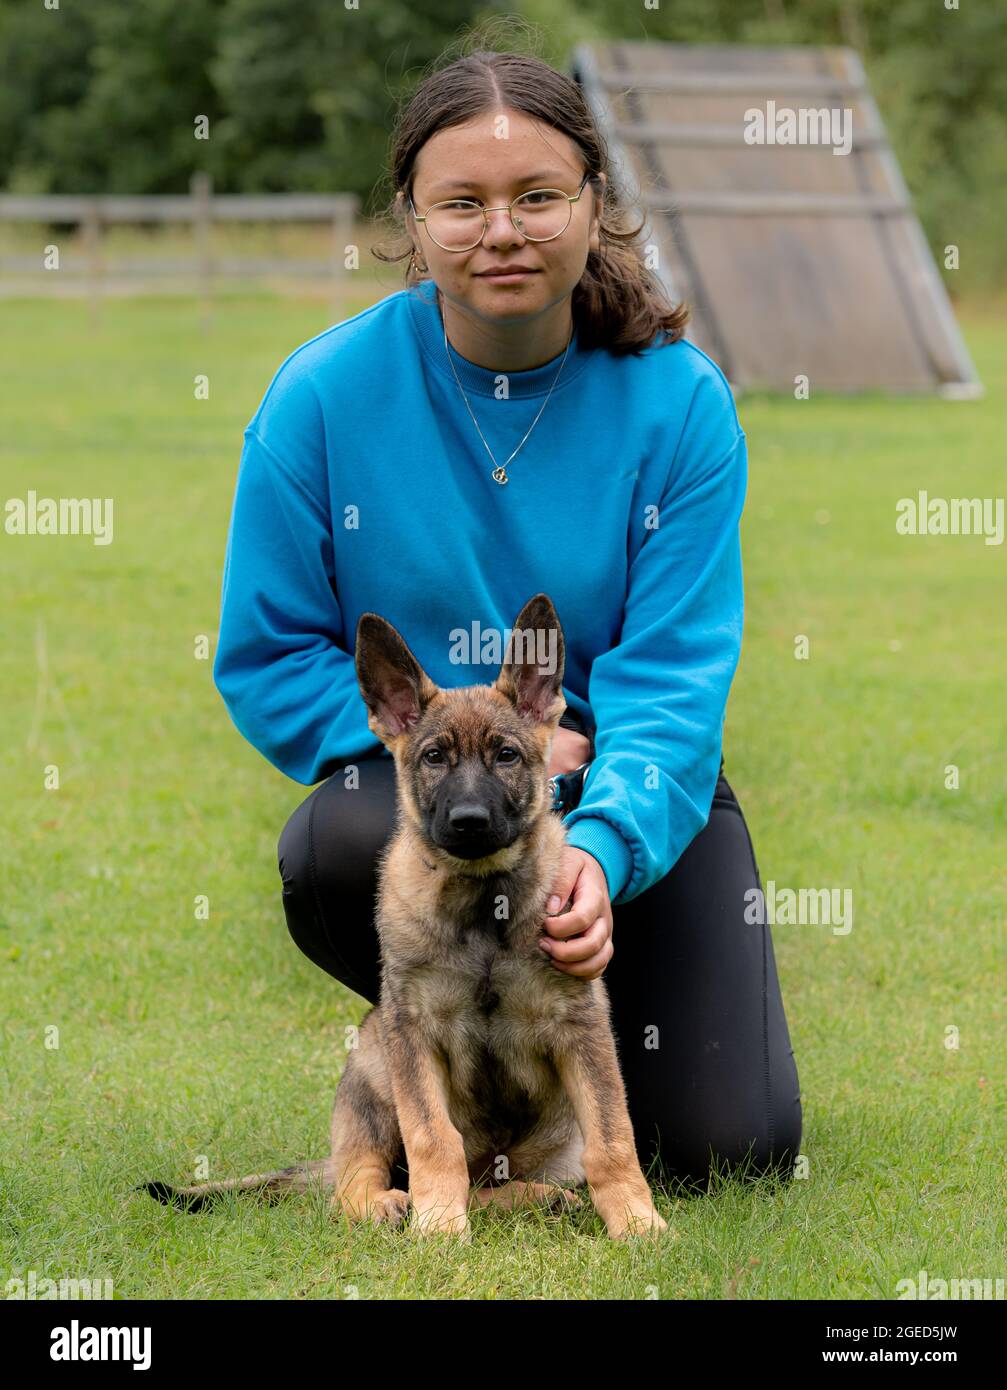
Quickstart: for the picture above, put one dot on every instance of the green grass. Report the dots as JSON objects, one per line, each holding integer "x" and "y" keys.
{"x": 179, "y": 1037}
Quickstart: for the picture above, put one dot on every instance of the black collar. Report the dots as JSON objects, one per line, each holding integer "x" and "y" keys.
{"x": 567, "y": 788}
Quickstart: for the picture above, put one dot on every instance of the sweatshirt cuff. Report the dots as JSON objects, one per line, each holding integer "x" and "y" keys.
{"x": 601, "y": 840}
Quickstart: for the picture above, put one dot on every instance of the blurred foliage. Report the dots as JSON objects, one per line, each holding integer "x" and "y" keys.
{"x": 302, "y": 96}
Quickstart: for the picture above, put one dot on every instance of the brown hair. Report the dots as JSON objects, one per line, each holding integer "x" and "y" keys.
{"x": 618, "y": 303}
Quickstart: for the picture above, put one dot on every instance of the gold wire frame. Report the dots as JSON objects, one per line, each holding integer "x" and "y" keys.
{"x": 571, "y": 198}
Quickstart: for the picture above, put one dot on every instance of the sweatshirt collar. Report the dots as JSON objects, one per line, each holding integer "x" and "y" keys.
{"x": 483, "y": 381}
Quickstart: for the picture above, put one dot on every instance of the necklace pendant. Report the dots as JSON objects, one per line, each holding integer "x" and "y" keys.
{"x": 500, "y": 476}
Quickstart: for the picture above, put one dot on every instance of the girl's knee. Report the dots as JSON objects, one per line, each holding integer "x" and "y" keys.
{"x": 331, "y": 842}
{"x": 323, "y": 846}
{"x": 292, "y": 851}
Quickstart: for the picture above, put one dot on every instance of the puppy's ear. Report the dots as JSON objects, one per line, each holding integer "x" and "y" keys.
{"x": 532, "y": 673}
{"x": 395, "y": 688}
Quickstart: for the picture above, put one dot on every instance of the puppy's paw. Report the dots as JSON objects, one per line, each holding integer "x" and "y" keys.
{"x": 638, "y": 1222}
{"x": 381, "y": 1208}
{"x": 440, "y": 1219}
{"x": 561, "y": 1198}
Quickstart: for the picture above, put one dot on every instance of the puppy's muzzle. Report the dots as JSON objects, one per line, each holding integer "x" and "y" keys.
{"x": 471, "y": 831}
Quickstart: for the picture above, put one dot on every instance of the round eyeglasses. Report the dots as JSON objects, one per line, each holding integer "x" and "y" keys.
{"x": 459, "y": 224}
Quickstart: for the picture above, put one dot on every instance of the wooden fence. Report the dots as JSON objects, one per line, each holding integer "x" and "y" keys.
{"x": 200, "y": 209}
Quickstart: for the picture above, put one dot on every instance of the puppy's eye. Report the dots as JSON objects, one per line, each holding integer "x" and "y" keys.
{"x": 508, "y": 755}
{"x": 433, "y": 756}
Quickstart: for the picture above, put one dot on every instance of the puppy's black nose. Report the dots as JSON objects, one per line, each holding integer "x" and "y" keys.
{"x": 469, "y": 817}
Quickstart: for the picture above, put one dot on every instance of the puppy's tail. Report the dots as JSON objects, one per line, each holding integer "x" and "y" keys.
{"x": 297, "y": 1178}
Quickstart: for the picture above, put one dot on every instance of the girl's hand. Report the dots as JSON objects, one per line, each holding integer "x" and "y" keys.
{"x": 579, "y": 941}
{"x": 569, "y": 750}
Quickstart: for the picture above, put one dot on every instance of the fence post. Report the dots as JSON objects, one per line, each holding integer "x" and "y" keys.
{"x": 201, "y": 191}
{"x": 91, "y": 228}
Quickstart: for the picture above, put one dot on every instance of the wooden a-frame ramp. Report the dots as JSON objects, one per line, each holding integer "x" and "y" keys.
{"x": 796, "y": 261}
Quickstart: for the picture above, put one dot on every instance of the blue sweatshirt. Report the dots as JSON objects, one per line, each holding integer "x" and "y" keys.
{"x": 363, "y": 485}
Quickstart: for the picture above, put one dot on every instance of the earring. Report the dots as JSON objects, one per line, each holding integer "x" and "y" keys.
{"x": 418, "y": 268}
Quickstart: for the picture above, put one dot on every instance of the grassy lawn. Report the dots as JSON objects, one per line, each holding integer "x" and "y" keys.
{"x": 137, "y": 1037}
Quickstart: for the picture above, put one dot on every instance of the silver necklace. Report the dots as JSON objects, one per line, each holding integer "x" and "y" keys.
{"x": 500, "y": 469}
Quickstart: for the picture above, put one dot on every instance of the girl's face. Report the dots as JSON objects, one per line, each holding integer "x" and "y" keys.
{"x": 492, "y": 159}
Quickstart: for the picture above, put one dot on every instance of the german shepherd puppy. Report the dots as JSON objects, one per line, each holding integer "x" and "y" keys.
{"x": 482, "y": 1061}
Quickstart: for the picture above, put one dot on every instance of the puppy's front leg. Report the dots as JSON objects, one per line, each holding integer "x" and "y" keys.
{"x": 435, "y": 1151}
{"x": 590, "y": 1073}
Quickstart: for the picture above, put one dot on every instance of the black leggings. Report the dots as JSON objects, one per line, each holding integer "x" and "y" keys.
{"x": 720, "y": 1089}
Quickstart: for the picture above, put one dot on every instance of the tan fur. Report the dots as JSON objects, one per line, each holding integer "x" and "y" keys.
{"x": 482, "y": 1057}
